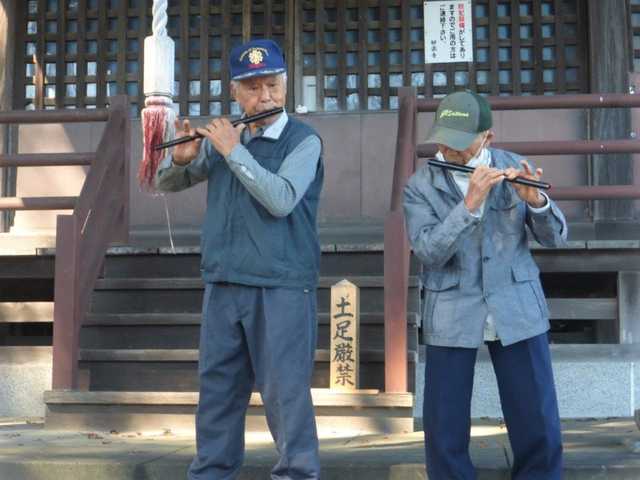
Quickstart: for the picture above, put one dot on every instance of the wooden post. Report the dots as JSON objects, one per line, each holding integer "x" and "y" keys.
{"x": 609, "y": 67}
{"x": 345, "y": 333}
{"x": 65, "y": 310}
{"x": 246, "y": 21}
{"x": 629, "y": 307}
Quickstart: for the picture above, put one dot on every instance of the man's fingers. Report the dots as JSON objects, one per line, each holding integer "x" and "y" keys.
{"x": 203, "y": 131}
{"x": 526, "y": 167}
{"x": 511, "y": 173}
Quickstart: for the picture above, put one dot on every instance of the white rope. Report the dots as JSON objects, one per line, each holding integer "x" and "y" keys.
{"x": 160, "y": 18}
{"x": 166, "y": 211}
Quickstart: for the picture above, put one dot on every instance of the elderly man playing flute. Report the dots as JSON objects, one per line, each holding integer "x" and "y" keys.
{"x": 260, "y": 262}
{"x": 482, "y": 286}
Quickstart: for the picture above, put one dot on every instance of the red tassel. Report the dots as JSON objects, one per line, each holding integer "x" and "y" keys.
{"x": 156, "y": 125}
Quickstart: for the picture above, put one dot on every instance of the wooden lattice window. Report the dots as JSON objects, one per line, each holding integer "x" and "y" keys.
{"x": 359, "y": 52}
{"x": 536, "y": 47}
{"x": 342, "y": 55}
{"x": 204, "y": 33}
{"x": 78, "y": 53}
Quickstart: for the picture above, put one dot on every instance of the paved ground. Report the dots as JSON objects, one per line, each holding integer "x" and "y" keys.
{"x": 597, "y": 449}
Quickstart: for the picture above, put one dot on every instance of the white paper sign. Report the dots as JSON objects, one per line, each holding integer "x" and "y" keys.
{"x": 448, "y": 32}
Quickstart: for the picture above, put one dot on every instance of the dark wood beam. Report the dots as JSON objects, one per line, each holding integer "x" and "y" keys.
{"x": 609, "y": 73}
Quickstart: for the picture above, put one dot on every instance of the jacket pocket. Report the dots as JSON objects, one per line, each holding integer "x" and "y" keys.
{"x": 440, "y": 280}
{"x": 523, "y": 273}
{"x": 531, "y": 291}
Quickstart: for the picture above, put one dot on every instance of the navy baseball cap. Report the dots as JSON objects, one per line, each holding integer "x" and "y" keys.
{"x": 256, "y": 58}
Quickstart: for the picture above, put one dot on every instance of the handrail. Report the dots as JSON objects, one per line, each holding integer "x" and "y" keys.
{"x": 554, "y": 147}
{"x": 396, "y": 246}
{"x": 544, "y": 102}
{"x": 47, "y": 159}
{"x": 100, "y": 216}
{"x": 55, "y": 116}
{"x": 37, "y": 203}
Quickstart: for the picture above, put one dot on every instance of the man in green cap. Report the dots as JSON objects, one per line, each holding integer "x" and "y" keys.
{"x": 482, "y": 286}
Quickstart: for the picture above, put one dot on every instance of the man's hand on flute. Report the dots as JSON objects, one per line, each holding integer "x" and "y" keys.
{"x": 222, "y": 135}
{"x": 531, "y": 195}
{"x": 184, "y": 153}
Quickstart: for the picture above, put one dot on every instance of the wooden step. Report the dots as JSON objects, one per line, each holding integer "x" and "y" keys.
{"x": 191, "y": 355}
{"x": 193, "y": 283}
{"x": 361, "y": 412}
{"x": 159, "y": 296}
{"x": 583, "y": 308}
{"x": 124, "y": 333}
{"x": 177, "y": 369}
{"x": 26, "y": 267}
{"x": 322, "y": 397}
{"x": 357, "y": 260}
{"x": 178, "y": 319}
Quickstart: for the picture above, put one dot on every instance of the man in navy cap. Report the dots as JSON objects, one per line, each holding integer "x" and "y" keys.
{"x": 260, "y": 262}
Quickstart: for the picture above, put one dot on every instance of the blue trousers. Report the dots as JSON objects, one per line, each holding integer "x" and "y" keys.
{"x": 263, "y": 337}
{"x": 529, "y": 405}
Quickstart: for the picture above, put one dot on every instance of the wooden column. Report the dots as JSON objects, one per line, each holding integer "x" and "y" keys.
{"x": 8, "y": 55}
{"x": 609, "y": 67}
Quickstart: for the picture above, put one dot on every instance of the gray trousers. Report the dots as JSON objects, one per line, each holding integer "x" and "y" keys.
{"x": 264, "y": 337}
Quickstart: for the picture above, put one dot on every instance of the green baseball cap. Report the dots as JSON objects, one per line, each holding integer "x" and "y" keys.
{"x": 460, "y": 117}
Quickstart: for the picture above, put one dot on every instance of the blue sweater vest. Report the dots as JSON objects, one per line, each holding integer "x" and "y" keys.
{"x": 242, "y": 242}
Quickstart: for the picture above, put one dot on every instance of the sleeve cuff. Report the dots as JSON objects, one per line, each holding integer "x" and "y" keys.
{"x": 237, "y": 161}
{"x": 172, "y": 164}
{"x": 544, "y": 208}
{"x": 469, "y": 217}
{"x": 236, "y": 154}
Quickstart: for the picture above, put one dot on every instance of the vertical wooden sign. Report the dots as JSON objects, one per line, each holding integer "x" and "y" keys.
{"x": 345, "y": 331}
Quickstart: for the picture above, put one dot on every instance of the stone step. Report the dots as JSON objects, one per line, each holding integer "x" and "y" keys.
{"x": 365, "y": 411}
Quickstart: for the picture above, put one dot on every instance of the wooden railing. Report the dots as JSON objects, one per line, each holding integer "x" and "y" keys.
{"x": 100, "y": 216}
{"x": 396, "y": 246}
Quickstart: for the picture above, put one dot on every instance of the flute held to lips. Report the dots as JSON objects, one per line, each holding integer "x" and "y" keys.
{"x": 238, "y": 121}
{"x": 463, "y": 168}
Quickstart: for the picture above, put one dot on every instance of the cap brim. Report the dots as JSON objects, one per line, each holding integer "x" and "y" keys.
{"x": 454, "y": 139}
{"x": 259, "y": 72}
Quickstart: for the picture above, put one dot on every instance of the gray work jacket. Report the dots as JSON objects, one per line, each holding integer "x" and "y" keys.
{"x": 476, "y": 266}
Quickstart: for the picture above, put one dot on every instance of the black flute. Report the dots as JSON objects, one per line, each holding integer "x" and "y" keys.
{"x": 463, "y": 168}
{"x": 253, "y": 118}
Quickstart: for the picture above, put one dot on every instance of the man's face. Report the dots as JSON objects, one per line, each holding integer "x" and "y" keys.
{"x": 259, "y": 94}
{"x": 462, "y": 157}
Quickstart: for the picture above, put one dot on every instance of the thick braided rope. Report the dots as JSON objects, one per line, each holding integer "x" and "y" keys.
{"x": 160, "y": 18}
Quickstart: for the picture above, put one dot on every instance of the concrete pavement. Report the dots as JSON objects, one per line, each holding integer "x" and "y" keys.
{"x": 595, "y": 449}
